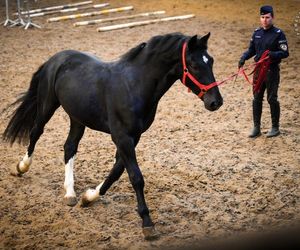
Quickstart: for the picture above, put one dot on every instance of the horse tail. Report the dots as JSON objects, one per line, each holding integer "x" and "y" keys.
{"x": 22, "y": 119}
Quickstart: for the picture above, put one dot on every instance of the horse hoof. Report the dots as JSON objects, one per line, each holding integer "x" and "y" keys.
{"x": 84, "y": 202}
{"x": 150, "y": 233}
{"x": 70, "y": 201}
{"x": 15, "y": 171}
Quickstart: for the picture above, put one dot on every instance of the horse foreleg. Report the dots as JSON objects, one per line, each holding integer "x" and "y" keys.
{"x": 116, "y": 172}
{"x": 114, "y": 175}
{"x": 92, "y": 195}
{"x": 126, "y": 149}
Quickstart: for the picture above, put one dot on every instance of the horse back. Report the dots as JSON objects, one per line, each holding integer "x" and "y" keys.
{"x": 78, "y": 82}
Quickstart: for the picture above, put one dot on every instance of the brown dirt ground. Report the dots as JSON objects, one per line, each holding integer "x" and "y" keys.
{"x": 204, "y": 177}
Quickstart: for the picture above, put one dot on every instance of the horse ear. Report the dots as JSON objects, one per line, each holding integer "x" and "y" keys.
{"x": 192, "y": 43}
{"x": 204, "y": 39}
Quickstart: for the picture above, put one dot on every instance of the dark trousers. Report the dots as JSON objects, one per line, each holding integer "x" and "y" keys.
{"x": 271, "y": 84}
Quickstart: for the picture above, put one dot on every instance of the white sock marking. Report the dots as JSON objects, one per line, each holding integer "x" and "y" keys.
{"x": 93, "y": 194}
{"x": 25, "y": 163}
{"x": 69, "y": 178}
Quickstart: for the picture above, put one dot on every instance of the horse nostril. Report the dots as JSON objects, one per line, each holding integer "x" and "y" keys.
{"x": 213, "y": 105}
{"x": 216, "y": 104}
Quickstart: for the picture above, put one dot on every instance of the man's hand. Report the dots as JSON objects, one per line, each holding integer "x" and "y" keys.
{"x": 272, "y": 54}
{"x": 241, "y": 63}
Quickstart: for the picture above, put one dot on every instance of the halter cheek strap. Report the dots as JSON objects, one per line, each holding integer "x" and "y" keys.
{"x": 186, "y": 74}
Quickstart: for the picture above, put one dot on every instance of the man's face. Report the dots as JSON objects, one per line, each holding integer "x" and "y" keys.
{"x": 266, "y": 20}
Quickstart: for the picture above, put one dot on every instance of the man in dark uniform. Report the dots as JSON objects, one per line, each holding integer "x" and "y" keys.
{"x": 268, "y": 37}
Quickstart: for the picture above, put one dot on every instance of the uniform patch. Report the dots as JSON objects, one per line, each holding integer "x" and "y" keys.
{"x": 283, "y": 47}
{"x": 257, "y": 36}
{"x": 205, "y": 59}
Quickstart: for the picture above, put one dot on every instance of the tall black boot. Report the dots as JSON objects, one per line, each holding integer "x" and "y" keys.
{"x": 257, "y": 110}
{"x": 275, "y": 115}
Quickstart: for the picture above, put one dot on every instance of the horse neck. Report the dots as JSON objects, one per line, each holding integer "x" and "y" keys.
{"x": 166, "y": 71}
{"x": 166, "y": 79}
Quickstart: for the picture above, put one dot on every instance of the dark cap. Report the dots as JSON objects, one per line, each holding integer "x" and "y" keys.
{"x": 266, "y": 9}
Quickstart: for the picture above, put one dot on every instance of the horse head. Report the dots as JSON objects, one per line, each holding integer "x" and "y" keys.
{"x": 198, "y": 72}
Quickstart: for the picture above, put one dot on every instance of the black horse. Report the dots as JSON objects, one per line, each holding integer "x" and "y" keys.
{"x": 119, "y": 98}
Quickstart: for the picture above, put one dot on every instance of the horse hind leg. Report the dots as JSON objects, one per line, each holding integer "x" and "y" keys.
{"x": 70, "y": 148}
{"x": 37, "y": 130}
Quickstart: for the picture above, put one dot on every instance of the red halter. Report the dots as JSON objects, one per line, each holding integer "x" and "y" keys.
{"x": 203, "y": 88}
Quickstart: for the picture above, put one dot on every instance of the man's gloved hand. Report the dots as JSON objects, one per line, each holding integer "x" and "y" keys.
{"x": 271, "y": 54}
{"x": 241, "y": 63}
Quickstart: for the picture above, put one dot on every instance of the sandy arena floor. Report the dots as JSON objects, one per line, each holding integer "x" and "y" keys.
{"x": 203, "y": 177}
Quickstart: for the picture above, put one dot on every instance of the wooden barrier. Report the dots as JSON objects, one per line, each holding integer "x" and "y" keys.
{"x": 95, "y": 13}
{"x": 59, "y": 7}
{"x": 96, "y": 6}
{"x": 140, "y": 23}
{"x": 83, "y": 23}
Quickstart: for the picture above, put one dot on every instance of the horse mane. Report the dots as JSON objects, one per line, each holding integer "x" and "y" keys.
{"x": 161, "y": 44}
{"x": 132, "y": 53}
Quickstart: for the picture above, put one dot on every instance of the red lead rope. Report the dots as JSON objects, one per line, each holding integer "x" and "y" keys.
{"x": 260, "y": 70}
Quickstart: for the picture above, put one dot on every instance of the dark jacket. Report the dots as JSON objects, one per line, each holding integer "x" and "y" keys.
{"x": 272, "y": 39}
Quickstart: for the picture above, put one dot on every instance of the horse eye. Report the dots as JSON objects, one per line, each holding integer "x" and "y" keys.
{"x": 195, "y": 66}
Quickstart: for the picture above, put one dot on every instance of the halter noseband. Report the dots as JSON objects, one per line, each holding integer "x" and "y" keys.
{"x": 186, "y": 74}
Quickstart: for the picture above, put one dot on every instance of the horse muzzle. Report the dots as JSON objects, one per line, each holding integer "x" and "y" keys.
{"x": 212, "y": 101}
